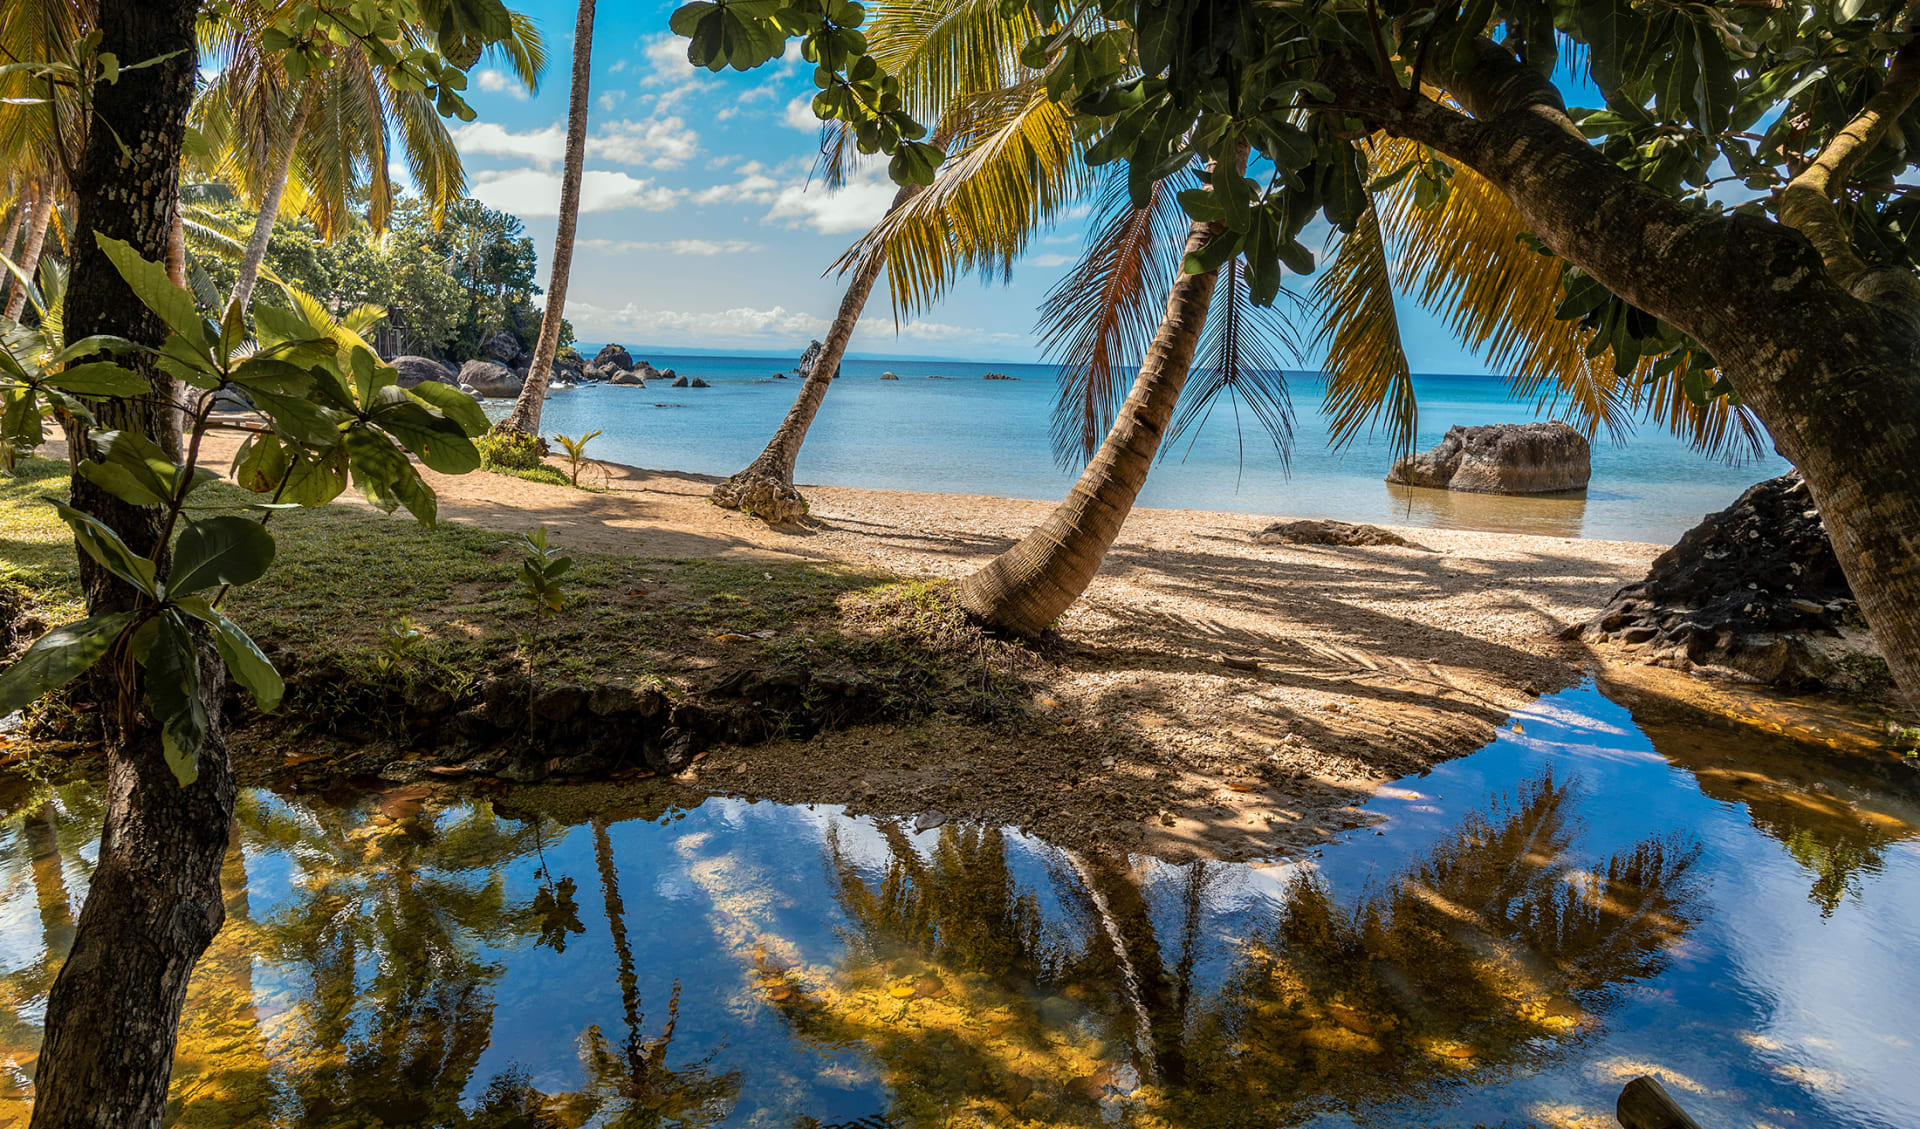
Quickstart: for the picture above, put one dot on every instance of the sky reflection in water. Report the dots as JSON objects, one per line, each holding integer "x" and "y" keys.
{"x": 1582, "y": 901}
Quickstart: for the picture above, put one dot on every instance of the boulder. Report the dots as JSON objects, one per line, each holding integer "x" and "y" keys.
{"x": 502, "y": 348}
{"x": 646, "y": 371}
{"x": 680, "y": 382}
{"x": 628, "y": 377}
{"x": 613, "y": 357}
{"x": 489, "y": 379}
{"x": 889, "y": 376}
{"x": 415, "y": 371}
{"x": 1502, "y": 458}
{"x": 1328, "y": 533}
{"x": 807, "y": 359}
{"x": 696, "y": 382}
{"x": 998, "y": 376}
{"x": 1755, "y": 592}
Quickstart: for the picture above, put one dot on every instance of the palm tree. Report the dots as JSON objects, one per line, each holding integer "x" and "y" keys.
{"x": 330, "y": 126}
{"x": 525, "y": 417}
{"x": 1015, "y": 164}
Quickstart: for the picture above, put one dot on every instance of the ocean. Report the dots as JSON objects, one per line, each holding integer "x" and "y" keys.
{"x": 941, "y": 428}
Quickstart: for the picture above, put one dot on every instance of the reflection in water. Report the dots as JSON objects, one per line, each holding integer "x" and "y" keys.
{"x": 1541, "y": 515}
{"x": 1529, "y": 931}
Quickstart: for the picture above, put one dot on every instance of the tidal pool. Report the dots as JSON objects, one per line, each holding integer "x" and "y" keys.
{"x": 1586, "y": 899}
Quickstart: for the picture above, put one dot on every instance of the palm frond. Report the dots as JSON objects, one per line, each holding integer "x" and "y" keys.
{"x": 1720, "y": 427}
{"x": 1368, "y": 378}
{"x": 1097, "y": 321}
{"x": 1243, "y": 346}
{"x": 944, "y": 51}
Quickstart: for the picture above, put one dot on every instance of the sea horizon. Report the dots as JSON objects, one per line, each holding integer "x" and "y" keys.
{"x": 941, "y": 428}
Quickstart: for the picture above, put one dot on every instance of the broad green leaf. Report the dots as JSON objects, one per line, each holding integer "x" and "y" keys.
{"x": 298, "y": 419}
{"x": 100, "y": 542}
{"x": 149, "y": 283}
{"x": 261, "y": 464}
{"x": 227, "y": 549}
{"x": 122, "y": 483}
{"x": 99, "y": 378}
{"x": 454, "y": 404}
{"x": 249, "y": 665}
{"x": 436, "y": 440}
{"x": 87, "y": 346}
{"x": 59, "y": 657}
{"x": 315, "y": 480}
{"x": 173, "y": 693}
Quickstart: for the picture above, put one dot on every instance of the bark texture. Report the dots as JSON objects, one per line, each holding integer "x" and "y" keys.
{"x": 533, "y": 392}
{"x": 765, "y": 489}
{"x": 155, "y": 900}
{"x": 38, "y": 221}
{"x": 1024, "y": 589}
{"x": 269, "y": 207}
{"x": 1833, "y": 371}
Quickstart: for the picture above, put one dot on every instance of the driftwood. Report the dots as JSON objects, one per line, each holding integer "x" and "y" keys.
{"x": 1645, "y": 1104}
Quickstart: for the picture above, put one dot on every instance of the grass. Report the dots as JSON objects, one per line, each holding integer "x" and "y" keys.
{"x": 552, "y": 476}
{"x": 363, "y": 603}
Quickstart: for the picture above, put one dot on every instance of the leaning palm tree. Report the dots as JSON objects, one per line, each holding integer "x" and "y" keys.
{"x": 312, "y": 139}
{"x": 42, "y": 132}
{"x": 525, "y": 417}
{"x": 1014, "y": 166}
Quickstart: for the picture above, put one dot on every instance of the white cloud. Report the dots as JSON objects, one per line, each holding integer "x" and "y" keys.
{"x": 610, "y": 99}
{"x": 617, "y": 67}
{"x": 702, "y": 247}
{"x": 753, "y": 188}
{"x": 660, "y": 143}
{"x": 499, "y": 82}
{"x": 667, "y": 68}
{"x": 855, "y": 206}
{"x": 536, "y": 192}
{"x": 799, "y": 114}
{"x": 741, "y": 321}
{"x": 933, "y": 331}
{"x": 1051, "y": 259}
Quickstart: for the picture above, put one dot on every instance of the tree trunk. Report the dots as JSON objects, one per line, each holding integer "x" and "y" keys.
{"x": 525, "y": 417}
{"x": 155, "y": 899}
{"x": 269, "y": 208}
{"x": 1829, "y": 369}
{"x": 765, "y": 489}
{"x": 42, "y": 836}
{"x": 20, "y": 209}
{"x": 177, "y": 250}
{"x": 1024, "y": 589}
{"x": 29, "y": 260}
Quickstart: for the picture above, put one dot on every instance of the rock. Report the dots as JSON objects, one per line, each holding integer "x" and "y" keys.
{"x": 680, "y": 382}
{"x": 489, "y": 379}
{"x": 888, "y": 376}
{"x": 613, "y": 357}
{"x": 998, "y": 376}
{"x": 1328, "y": 533}
{"x": 502, "y": 348}
{"x": 696, "y": 382}
{"x": 1502, "y": 458}
{"x": 1754, "y": 592}
{"x": 647, "y": 372}
{"x": 415, "y": 371}
{"x": 807, "y": 359}
{"x": 629, "y": 377}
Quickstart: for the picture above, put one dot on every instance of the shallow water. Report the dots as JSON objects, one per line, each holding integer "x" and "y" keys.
{"x": 941, "y": 428}
{"x": 1523, "y": 930}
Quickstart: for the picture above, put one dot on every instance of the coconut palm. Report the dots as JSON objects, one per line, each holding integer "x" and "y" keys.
{"x": 1014, "y": 165}
{"x": 313, "y": 141}
{"x": 533, "y": 393}
{"x": 41, "y": 131}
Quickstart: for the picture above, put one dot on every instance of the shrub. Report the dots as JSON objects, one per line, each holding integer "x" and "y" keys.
{"x": 510, "y": 450}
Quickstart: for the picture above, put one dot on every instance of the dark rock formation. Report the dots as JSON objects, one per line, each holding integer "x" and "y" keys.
{"x": 1502, "y": 458}
{"x": 1753, "y": 591}
{"x": 502, "y": 348}
{"x": 1328, "y": 533}
{"x": 998, "y": 376}
{"x": 415, "y": 371}
{"x": 613, "y": 357}
{"x": 489, "y": 379}
{"x": 888, "y": 376}
{"x": 696, "y": 382}
{"x": 680, "y": 382}
{"x": 629, "y": 377}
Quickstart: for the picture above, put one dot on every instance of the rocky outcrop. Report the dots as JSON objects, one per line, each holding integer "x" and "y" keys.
{"x": 646, "y": 371}
{"x": 889, "y": 376}
{"x": 502, "y": 348}
{"x": 415, "y": 371}
{"x": 1754, "y": 592}
{"x": 489, "y": 379}
{"x": 629, "y": 377}
{"x": 998, "y": 376}
{"x": 612, "y": 357}
{"x": 696, "y": 382}
{"x": 680, "y": 382}
{"x": 1328, "y": 533}
{"x": 1502, "y": 458}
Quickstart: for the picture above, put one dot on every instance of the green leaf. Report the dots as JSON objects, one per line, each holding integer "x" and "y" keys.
{"x": 227, "y": 549}
{"x": 438, "y": 441}
{"x": 87, "y": 346}
{"x": 315, "y": 480}
{"x": 101, "y": 543}
{"x": 454, "y": 404}
{"x": 173, "y": 692}
{"x": 150, "y": 283}
{"x": 249, "y": 665}
{"x": 122, "y": 484}
{"x": 261, "y": 464}
{"x": 99, "y": 378}
{"x": 383, "y": 474}
{"x": 59, "y": 657}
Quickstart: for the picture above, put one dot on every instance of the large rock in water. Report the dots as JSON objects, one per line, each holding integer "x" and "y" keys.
{"x": 612, "y": 357}
{"x": 1502, "y": 458}
{"x": 628, "y": 376}
{"x": 489, "y": 379}
{"x": 1753, "y": 591}
{"x": 415, "y": 371}
{"x": 502, "y": 348}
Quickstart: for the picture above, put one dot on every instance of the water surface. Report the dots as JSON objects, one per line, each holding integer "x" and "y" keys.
{"x": 1524, "y": 929}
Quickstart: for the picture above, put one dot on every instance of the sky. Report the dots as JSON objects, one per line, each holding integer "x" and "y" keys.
{"x": 700, "y": 224}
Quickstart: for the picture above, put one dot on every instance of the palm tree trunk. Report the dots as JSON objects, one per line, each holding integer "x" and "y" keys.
{"x": 765, "y": 489}
{"x": 177, "y": 251}
{"x": 29, "y": 259}
{"x": 269, "y": 208}
{"x": 1024, "y": 589}
{"x": 525, "y": 417}
{"x": 14, "y": 222}
{"x": 155, "y": 899}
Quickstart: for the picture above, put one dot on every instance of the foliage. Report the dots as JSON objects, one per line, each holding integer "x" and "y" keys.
{"x": 510, "y": 450}
{"x": 328, "y": 407}
{"x": 576, "y": 454}
{"x": 540, "y": 572}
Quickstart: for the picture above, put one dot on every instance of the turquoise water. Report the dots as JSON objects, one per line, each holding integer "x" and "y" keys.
{"x": 1591, "y": 897}
{"x": 966, "y": 435}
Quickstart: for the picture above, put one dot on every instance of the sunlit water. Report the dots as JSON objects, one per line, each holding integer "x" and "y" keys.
{"x": 1585, "y": 900}
{"x": 961, "y": 434}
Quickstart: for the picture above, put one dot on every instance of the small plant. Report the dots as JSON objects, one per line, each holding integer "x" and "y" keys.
{"x": 510, "y": 450}
{"x": 540, "y": 572}
{"x": 576, "y": 455}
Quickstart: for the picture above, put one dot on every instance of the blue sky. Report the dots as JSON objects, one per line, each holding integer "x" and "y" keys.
{"x": 700, "y": 227}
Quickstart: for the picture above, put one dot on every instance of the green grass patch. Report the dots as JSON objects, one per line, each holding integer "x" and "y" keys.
{"x": 552, "y": 476}
{"x": 37, "y": 558}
